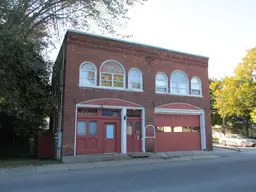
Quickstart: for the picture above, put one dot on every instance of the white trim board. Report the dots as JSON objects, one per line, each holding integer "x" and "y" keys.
{"x": 107, "y": 106}
{"x": 177, "y": 111}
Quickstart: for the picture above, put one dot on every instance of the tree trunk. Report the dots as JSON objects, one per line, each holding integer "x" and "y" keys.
{"x": 224, "y": 124}
{"x": 247, "y": 127}
{"x": 223, "y": 121}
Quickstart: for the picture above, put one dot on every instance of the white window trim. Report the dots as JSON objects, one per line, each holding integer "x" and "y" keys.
{"x": 166, "y": 83}
{"x": 124, "y": 76}
{"x": 179, "y": 95}
{"x": 112, "y": 88}
{"x": 141, "y": 79}
{"x": 95, "y": 68}
{"x": 200, "y": 86}
{"x": 187, "y": 88}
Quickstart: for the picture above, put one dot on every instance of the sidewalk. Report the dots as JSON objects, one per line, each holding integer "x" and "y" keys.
{"x": 154, "y": 158}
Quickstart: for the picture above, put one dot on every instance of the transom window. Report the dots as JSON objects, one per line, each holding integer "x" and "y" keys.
{"x": 88, "y": 74}
{"x": 179, "y": 83}
{"x": 196, "y": 88}
{"x": 112, "y": 74}
{"x": 134, "y": 79}
{"x": 161, "y": 83}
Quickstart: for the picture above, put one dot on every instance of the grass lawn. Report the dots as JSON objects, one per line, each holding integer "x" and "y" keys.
{"x": 22, "y": 162}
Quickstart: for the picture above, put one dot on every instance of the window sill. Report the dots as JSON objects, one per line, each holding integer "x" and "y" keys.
{"x": 111, "y": 88}
{"x": 179, "y": 94}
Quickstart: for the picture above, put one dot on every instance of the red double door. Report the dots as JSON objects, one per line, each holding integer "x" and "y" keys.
{"x": 112, "y": 136}
{"x": 104, "y": 136}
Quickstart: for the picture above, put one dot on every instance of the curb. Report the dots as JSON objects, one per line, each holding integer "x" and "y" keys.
{"x": 95, "y": 165}
{"x": 228, "y": 148}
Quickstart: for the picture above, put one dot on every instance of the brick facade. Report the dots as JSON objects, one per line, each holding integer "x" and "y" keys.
{"x": 81, "y": 48}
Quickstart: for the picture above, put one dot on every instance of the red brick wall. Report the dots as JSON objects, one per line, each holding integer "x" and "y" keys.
{"x": 81, "y": 48}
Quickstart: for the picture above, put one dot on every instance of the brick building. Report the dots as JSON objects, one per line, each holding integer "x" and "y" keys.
{"x": 118, "y": 96}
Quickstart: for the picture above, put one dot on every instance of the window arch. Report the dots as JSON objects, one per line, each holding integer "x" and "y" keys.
{"x": 161, "y": 83}
{"x": 88, "y": 74}
{"x": 179, "y": 83}
{"x": 196, "y": 87}
{"x": 112, "y": 74}
{"x": 134, "y": 79}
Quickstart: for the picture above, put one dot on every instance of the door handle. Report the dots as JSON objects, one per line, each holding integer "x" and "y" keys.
{"x": 137, "y": 137}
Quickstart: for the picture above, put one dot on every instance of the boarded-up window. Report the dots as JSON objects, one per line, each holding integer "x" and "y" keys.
{"x": 87, "y": 112}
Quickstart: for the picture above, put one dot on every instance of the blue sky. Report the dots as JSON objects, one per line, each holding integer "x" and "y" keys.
{"x": 223, "y": 30}
{"x": 220, "y": 29}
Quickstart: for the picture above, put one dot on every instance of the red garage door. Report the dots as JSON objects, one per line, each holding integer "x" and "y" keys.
{"x": 177, "y": 132}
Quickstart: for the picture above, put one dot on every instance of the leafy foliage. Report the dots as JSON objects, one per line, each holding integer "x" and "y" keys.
{"x": 25, "y": 89}
{"x": 215, "y": 116}
{"x": 27, "y": 28}
{"x": 236, "y": 96}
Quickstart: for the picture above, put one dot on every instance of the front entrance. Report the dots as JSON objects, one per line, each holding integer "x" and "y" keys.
{"x": 99, "y": 131}
{"x": 134, "y": 137}
{"x": 110, "y": 138}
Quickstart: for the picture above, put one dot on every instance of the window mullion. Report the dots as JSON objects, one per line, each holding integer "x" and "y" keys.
{"x": 112, "y": 80}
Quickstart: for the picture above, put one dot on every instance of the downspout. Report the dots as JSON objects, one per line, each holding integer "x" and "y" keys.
{"x": 59, "y": 133}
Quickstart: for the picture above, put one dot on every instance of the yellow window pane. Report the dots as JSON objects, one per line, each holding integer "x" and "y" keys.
{"x": 118, "y": 84}
{"x": 106, "y": 76}
{"x": 106, "y": 83}
{"x": 118, "y": 77}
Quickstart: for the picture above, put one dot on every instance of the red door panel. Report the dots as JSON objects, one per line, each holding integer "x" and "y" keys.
{"x": 130, "y": 136}
{"x": 110, "y": 138}
{"x": 133, "y": 132}
{"x": 137, "y": 136}
{"x": 88, "y": 137}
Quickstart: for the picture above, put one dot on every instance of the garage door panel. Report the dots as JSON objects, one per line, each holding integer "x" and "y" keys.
{"x": 166, "y": 142}
{"x": 177, "y": 120}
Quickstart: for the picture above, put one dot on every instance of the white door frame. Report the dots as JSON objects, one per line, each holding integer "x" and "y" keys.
{"x": 188, "y": 112}
{"x": 123, "y": 123}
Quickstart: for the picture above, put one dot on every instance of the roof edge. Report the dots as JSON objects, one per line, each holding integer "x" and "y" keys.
{"x": 134, "y": 43}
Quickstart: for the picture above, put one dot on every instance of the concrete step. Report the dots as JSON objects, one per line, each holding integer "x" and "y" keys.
{"x": 95, "y": 158}
{"x": 138, "y": 155}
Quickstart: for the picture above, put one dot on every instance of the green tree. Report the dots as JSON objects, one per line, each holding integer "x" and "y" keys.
{"x": 215, "y": 117}
{"x": 245, "y": 94}
{"x": 253, "y": 115}
{"x": 236, "y": 95}
{"x": 26, "y": 31}
{"x": 222, "y": 92}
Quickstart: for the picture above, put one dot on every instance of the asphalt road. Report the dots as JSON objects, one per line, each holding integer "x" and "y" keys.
{"x": 235, "y": 173}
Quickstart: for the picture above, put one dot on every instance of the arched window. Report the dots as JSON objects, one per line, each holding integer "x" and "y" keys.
{"x": 179, "y": 83}
{"x": 161, "y": 83}
{"x": 112, "y": 74}
{"x": 134, "y": 79}
{"x": 196, "y": 88}
{"x": 88, "y": 74}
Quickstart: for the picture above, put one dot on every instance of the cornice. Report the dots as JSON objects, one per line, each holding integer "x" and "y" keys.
{"x": 149, "y": 53}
